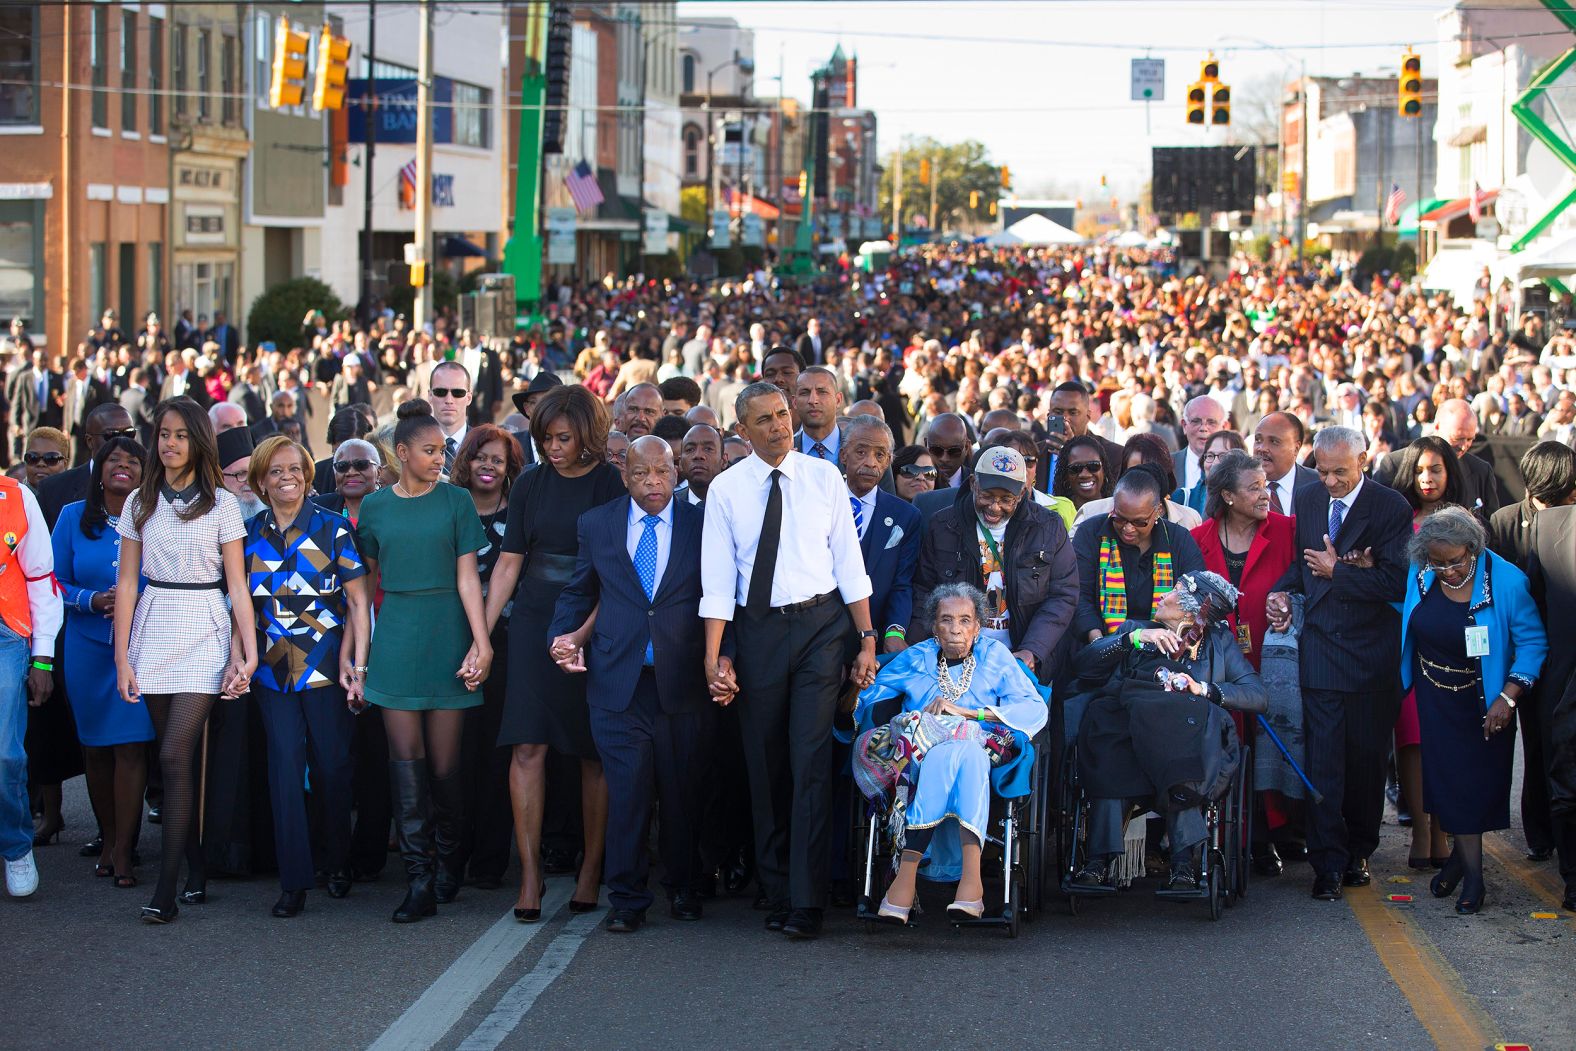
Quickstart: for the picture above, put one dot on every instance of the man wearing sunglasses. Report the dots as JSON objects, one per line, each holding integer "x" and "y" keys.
{"x": 451, "y": 395}
{"x": 99, "y": 426}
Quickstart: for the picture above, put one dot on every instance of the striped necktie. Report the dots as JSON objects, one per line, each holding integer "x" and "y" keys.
{"x": 859, "y": 514}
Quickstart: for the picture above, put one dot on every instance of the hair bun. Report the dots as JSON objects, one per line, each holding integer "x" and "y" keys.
{"x": 412, "y": 408}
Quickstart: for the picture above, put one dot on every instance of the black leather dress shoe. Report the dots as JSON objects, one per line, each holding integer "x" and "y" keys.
{"x": 1540, "y": 854}
{"x": 1292, "y": 851}
{"x": 1569, "y": 903}
{"x": 155, "y": 815}
{"x": 776, "y": 918}
{"x": 92, "y": 848}
{"x": 803, "y": 924}
{"x": 685, "y": 907}
{"x": 1357, "y": 874}
{"x": 625, "y": 921}
{"x": 1327, "y": 886}
{"x": 556, "y": 861}
{"x": 290, "y": 904}
{"x": 1266, "y": 860}
{"x": 339, "y": 883}
{"x": 737, "y": 873}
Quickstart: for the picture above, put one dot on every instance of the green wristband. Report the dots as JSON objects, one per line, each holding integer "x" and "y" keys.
{"x": 896, "y": 633}
{"x": 43, "y": 665}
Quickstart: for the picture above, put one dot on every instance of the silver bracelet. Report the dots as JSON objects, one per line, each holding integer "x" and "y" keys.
{"x": 1508, "y": 699}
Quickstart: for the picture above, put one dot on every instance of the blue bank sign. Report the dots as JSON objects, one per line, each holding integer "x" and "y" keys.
{"x": 396, "y": 110}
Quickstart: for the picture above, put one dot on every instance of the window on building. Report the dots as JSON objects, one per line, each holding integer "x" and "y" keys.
{"x": 156, "y": 277}
{"x": 692, "y": 147}
{"x": 204, "y": 103}
{"x": 155, "y": 76}
{"x": 472, "y": 116}
{"x": 229, "y": 71}
{"x": 262, "y": 57}
{"x": 22, "y": 262}
{"x": 98, "y": 288}
{"x": 126, "y": 282}
{"x": 98, "y": 48}
{"x": 128, "y": 71}
{"x": 178, "y": 68}
{"x": 19, "y": 64}
{"x": 689, "y": 74}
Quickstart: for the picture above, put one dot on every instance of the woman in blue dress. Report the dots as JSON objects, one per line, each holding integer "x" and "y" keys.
{"x": 957, "y": 689}
{"x": 114, "y": 734}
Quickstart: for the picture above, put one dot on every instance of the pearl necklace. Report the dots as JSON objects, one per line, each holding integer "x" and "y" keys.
{"x": 412, "y": 496}
{"x": 1471, "y": 573}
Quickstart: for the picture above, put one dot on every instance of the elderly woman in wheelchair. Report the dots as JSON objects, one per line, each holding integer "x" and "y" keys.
{"x": 1157, "y": 725}
{"x": 958, "y": 696}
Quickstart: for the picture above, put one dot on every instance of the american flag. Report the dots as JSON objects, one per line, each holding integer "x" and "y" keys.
{"x": 583, "y": 187}
{"x": 1393, "y": 203}
{"x": 1475, "y": 203}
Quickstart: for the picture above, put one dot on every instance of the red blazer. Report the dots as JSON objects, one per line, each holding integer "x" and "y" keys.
{"x": 1271, "y": 552}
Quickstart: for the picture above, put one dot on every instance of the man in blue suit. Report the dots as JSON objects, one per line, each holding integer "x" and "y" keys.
{"x": 651, "y": 713}
{"x": 889, "y": 527}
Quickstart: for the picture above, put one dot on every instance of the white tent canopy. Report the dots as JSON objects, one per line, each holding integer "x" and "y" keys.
{"x": 1035, "y": 230}
{"x": 1549, "y": 258}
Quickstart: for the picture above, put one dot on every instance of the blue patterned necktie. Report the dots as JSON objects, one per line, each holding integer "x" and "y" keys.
{"x": 646, "y": 566}
{"x": 859, "y": 514}
{"x": 821, "y": 451}
{"x": 1337, "y": 514}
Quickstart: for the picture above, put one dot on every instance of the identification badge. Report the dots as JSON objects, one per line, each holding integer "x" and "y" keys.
{"x": 1244, "y": 638}
{"x": 1477, "y": 641}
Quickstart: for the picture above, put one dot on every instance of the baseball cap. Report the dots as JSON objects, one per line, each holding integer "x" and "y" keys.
{"x": 1001, "y": 468}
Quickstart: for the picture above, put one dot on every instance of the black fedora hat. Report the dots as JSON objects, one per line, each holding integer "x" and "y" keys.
{"x": 541, "y": 383}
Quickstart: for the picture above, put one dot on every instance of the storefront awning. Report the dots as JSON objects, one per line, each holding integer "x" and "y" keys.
{"x": 1459, "y": 207}
{"x": 456, "y": 247}
{"x": 1470, "y": 135}
{"x": 1408, "y": 223}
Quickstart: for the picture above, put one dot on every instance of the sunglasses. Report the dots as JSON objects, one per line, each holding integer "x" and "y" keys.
{"x": 946, "y": 450}
{"x": 915, "y": 470}
{"x": 1117, "y": 522}
{"x": 1087, "y": 467}
{"x": 124, "y": 432}
{"x": 346, "y": 466}
{"x": 51, "y": 459}
{"x": 449, "y": 392}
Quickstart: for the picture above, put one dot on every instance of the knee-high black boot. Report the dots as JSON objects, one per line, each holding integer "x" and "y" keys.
{"x": 408, "y": 785}
{"x": 448, "y": 833}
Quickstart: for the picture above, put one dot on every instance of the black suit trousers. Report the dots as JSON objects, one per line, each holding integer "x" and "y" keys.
{"x": 1536, "y": 821}
{"x": 649, "y": 753}
{"x": 1347, "y": 739}
{"x": 789, "y": 666}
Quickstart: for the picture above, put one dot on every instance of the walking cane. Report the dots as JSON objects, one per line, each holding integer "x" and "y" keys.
{"x": 1264, "y": 724}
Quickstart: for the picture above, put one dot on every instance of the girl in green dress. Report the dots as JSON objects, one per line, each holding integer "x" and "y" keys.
{"x": 430, "y": 650}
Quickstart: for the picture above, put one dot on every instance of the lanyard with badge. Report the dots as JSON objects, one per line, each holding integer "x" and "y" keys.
{"x": 995, "y": 552}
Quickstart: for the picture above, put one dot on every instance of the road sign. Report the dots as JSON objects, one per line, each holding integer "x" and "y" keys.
{"x": 1149, "y": 80}
{"x": 561, "y": 236}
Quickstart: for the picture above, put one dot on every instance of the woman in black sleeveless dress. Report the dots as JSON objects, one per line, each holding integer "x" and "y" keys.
{"x": 544, "y": 707}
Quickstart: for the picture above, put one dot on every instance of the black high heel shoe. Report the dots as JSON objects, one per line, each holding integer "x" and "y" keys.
{"x": 154, "y": 914}
{"x": 532, "y": 915}
{"x": 1444, "y": 884}
{"x": 1469, "y": 904}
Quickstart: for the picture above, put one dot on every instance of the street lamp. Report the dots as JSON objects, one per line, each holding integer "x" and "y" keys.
{"x": 747, "y": 67}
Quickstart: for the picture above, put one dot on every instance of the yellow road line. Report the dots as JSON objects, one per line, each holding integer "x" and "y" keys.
{"x": 1439, "y": 999}
{"x": 1538, "y": 879}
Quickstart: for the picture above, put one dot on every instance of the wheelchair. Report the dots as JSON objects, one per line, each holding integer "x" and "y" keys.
{"x": 1223, "y": 857}
{"x": 1017, "y": 852}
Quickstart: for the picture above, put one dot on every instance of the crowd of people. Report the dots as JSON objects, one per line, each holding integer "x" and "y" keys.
{"x": 722, "y": 521}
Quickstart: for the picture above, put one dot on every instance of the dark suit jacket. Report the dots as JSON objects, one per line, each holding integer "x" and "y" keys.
{"x": 138, "y": 403}
{"x": 67, "y": 487}
{"x": 891, "y": 549}
{"x": 626, "y": 620}
{"x": 1482, "y": 488}
{"x": 806, "y": 348}
{"x": 937, "y": 500}
{"x": 97, "y": 394}
{"x": 1351, "y": 633}
{"x": 1551, "y": 572}
{"x": 247, "y": 397}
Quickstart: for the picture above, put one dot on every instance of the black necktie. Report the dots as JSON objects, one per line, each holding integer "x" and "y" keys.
{"x": 449, "y": 450}
{"x": 760, "y": 596}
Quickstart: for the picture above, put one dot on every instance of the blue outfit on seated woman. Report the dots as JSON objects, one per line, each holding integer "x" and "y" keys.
{"x": 955, "y": 778}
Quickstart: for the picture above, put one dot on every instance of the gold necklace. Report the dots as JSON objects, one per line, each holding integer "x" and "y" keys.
{"x": 411, "y": 496}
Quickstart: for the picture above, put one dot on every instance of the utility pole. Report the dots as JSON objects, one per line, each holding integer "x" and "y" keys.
{"x": 1302, "y": 180}
{"x": 935, "y": 177}
{"x": 897, "y": 194}
{"x": 369, "y": 113}
{"x": 423, "y": 309}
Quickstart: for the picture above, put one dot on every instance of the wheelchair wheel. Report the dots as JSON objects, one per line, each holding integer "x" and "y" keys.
{"x": 1217, "y": 884}
{"x": 1015, "y": 904}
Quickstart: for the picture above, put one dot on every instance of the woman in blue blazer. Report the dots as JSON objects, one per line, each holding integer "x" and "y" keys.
{"x": 1471, "y": 645}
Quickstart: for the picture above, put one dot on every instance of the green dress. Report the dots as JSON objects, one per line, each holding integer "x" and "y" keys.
{"x": 421, "y": 635}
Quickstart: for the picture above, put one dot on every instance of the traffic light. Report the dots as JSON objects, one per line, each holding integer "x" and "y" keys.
{"x": 1006, "y": 178}
{"x": 1197, "y": 99}
{"x": 924, "y": 171}
{"x": 333, "y": 59}
{"x": 804, "y": 184}
{"x": 1209, "y": 69}
{"x": 1220, "y": 104}
{"x": 974, "y": 199}
{"x": 418, "y": 274}
{"x": 289, "y": 74}
{"x": 993, "y": 209}
{"x": 1409, "y": 88}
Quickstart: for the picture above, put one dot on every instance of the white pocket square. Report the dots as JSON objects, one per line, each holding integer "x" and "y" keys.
{"x": 895, "y": 539}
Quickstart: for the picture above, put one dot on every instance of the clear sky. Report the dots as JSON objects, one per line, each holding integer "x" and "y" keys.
{"x": 1045, "y": 84}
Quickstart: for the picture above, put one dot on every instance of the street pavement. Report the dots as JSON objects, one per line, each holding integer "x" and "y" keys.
{"x": 1279, "y": 970}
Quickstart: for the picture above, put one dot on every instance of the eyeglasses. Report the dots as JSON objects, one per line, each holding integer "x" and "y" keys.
{"x": 235, "y": 476}
{"x": 346, "y": 466}
{"x": 49, "y": 459}
{"x": 449, "y": 392}
{"x": 1087, "y": 467}
{"x": 1117, "y": 522}
{"x": 123, "y": 432}
{"x": 1438, "y": 570}
{"x": 916, "y": 470}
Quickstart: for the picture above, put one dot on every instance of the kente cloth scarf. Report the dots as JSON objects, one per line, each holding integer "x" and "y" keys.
{"x": 1113, "y": 583}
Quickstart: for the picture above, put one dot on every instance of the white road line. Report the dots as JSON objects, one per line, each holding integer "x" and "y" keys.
{"x": 446, "y": 1000}
{"x": 521, "y": 997}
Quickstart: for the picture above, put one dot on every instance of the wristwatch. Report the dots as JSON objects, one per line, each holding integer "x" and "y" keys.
{"x": 871, "y": 634}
